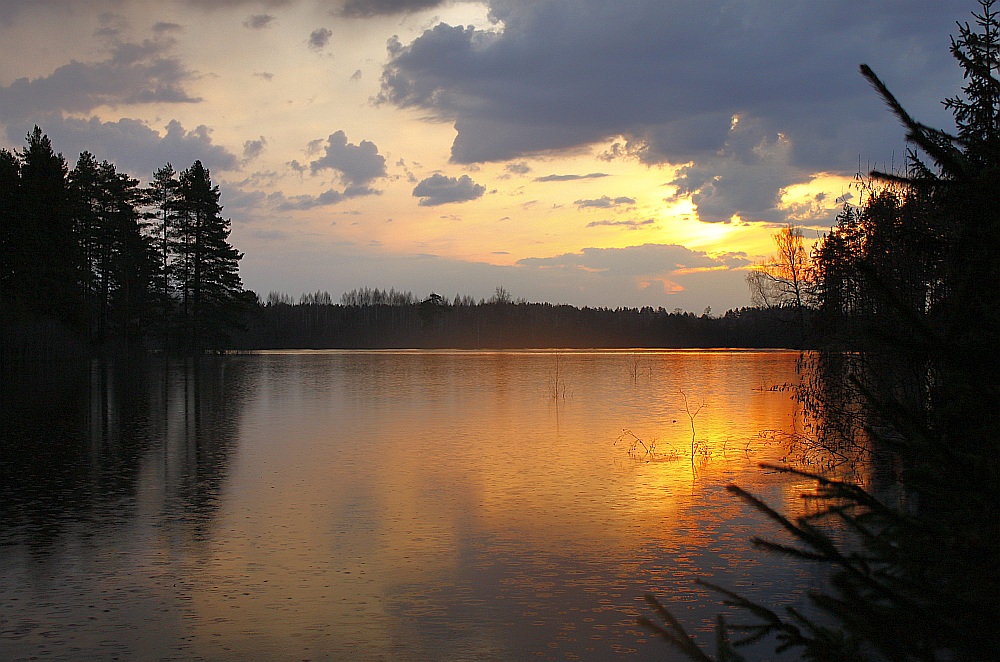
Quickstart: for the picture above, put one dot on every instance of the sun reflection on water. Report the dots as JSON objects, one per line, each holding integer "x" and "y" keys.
{"x": 425, "y": 504}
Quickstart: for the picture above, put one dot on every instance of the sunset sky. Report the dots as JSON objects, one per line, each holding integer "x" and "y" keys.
{"x": 589, "y": 152}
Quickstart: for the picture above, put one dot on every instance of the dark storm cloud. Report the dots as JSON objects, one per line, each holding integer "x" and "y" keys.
{"x": 319, "y": 38}
{"x": 665, "y": 79}
{"x": 358, "y": 165}
{"x": 742, "y": 178}
{"x": 369, "y": 8}
{"x": 135, "y": 72}
{"x": 130, "y": 144}
{"x": 439, "y": 189}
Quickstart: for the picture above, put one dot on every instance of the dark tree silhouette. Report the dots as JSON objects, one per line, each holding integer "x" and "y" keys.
{"x": 206, "y": 267}
{"x": 80, "y": 265}
{"x": 118, "y": 257}
{"x": 909, "y": 295}
{"x": 48, "y": 263}
{"x": 11, "y": 236}
{"x": 163, "y": 200}
{"x": 786, "y": 280}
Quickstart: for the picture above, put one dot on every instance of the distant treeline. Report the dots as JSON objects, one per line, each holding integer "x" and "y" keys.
{"x": 372, "y": 318}
{"x": 91, "y": 262}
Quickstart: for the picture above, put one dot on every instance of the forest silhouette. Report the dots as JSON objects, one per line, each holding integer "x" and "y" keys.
{"x": 89, "y": 260}
{"x": 93, "y": 263}
{"x": 906, "y": 299}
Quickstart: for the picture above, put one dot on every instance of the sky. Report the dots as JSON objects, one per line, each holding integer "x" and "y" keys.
{"x": 587, "y": 152}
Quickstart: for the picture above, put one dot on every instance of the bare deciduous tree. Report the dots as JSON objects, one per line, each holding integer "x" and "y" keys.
{"x": 787, "y": 278}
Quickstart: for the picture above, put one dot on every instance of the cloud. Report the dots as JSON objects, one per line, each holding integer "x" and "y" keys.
{"x": 604, "y": 202}
{"x": 666, "y": 275}
{"x": 439, "y": 189}
{"x": 163, "y": 27}
{"x": 647, "y": 260}
{"x": 358, "y": 165}
{"x": 570, "y": 178}
{"x": 209, "y": 5}
{"x": 131, "y": 144}
{"x": 269, "y": 235}
{"x": 319, "y": 38}
{"x": 664, "y": 80}
{"x": 236, "y": 198}
{"x": 10, "y": 10}
{"x": 631, "y": 225}
{"x": 134, "y": 73}
{"x": 258, "y": 21}
{"x": 358, "y": 191}
{"x": 369, "y": 8}
{"x": 520, "y": 168}
{"x": 303, "y": 202}
{"x": 746, "y": 177}
{"x": 253, "y": 148}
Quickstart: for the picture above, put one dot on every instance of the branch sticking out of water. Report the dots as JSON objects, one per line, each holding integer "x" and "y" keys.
{"x": 557, "y": 386}
{"x": 636, "y": 367}
{"x": 648, "y": 448}
{"x": 691, "y": 416}
{"x": 634, "y": 442}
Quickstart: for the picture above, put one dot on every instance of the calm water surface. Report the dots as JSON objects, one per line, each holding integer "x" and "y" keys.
{"x": 384, "y": 505}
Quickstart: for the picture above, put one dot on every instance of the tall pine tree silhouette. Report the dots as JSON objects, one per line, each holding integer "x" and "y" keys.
{"x": 48, "y": 263}
{"x": 206, "y": 267}
{"x": 162, "y": 196}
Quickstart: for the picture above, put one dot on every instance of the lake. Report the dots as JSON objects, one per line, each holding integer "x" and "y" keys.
{"x": 383, "y": 505}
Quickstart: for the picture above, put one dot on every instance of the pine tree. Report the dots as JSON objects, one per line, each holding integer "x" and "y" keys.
{"x": 976, "y": 110}
{"x": 118, "y": 257}
{"x": 162, "y": 197}
{"x": 132, "y": 263}
{"x": 206, "y": 266}
{"x": 48, "y": 265}
{"x": 11, "y": 235}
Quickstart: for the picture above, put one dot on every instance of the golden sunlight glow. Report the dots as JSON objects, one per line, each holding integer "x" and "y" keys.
{"x": 817, "y": 200}
{"x": 266, "y": 97}
{"x": 697, "y": 235}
